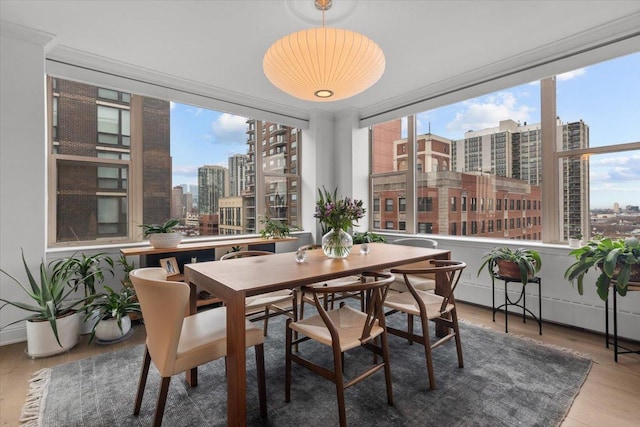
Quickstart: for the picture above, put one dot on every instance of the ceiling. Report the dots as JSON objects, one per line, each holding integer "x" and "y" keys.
{"x": 430, "y": 46}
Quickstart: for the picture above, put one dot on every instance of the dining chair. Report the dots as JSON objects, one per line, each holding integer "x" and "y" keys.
{"x": 343, "y": 329}
{"x": 328, "y": 299}
{"x": 264, "y": 306}
{"x": 440, "y": 309}
{"x": 177, "y": 343}
{"x": 422, "y": 282}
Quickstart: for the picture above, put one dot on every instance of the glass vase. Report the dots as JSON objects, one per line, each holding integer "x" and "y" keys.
{"x": 337, "y": 243}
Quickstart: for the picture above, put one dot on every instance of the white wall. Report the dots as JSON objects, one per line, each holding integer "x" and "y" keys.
{"x": 22, "y": 162}
{"x": 561, "y": 302}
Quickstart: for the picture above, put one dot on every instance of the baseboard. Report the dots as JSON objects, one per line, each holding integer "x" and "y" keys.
{"x": 14, "y": 335}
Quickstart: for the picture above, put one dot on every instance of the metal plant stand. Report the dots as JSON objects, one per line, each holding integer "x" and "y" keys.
{"x": 616, "y": 345}
{"x": 521, "y": 302}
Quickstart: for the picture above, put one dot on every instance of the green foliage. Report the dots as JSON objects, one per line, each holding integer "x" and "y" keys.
{"x": 274, "y": 228}
{"x": 127, "y": 267}
{"x": 88, "y": 271}
{"x": 113, "y": 305}
{"x": 335, "y": 213}
{"x": 615, "y": 258}
{"x": 528, "y": 261}
{"x": 50, "y": 301}
{"x": 367, "y": 237}
{"x": 167, "y": 227}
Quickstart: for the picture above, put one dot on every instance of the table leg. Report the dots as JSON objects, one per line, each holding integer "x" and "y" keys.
{"x": 236, "y": 361}
{"x": 615, "y": 325}
{"x": 606, "y": 322}
{"x": 506, "y": 308}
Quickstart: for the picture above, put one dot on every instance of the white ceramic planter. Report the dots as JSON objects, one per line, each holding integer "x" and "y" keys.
{"x": 575, "y": 243}
{"x": 41, "y": 342}
{"x": 107, "y": 330}
{"x": 165, "y": 240}
{"x": 86, "y": 326}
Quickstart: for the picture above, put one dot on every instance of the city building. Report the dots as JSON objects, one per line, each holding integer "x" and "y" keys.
{"x": 213, "y": 183}
{"x": 237, "y": 174}
{"x": 178, "y": 209}
{"x": 92, "y": 122}
{"x": 515, "y": 151}
{"x": 278, "y": 147}
{"x": 230, "y": 217}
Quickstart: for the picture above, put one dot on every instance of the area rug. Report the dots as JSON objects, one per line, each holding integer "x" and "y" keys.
{"x": 506, "y": 381}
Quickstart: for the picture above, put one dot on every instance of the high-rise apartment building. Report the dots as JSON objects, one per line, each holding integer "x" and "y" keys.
{"x": 90, "y": 123}
{"x": 177, "y": 208}
{"x": 237, "y": 174}
{"x": 273, "y": 148}
{"x": 212, "y": 185}
{"x": 515, "y": 151}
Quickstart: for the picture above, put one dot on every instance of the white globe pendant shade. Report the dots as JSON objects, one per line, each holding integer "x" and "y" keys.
{"x": 324, "y": 64}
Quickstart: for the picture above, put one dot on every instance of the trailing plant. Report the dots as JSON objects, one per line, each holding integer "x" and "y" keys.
{"x": 51, "y": 296}
{"x": 167, "y": 227}
{"x": 528, "y": 261}
{"x": 367, "y": 237}
{"x": 617, "y": 260}
{"x": 113, "y": 305}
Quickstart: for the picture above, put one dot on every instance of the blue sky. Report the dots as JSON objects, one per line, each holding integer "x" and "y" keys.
{"x": 605, "y": 96}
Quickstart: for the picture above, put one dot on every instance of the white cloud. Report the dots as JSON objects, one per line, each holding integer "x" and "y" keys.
{"x": 486, "y": 112}
{"x": 570, "y": 75}
{"x": 229, "y": 129}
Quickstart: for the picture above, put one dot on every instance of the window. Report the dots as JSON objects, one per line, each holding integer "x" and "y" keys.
{"x": 453, "y": 229}
{"x": 500, "y": 161}
{"x": 402, "y": 204}
{"x": 425, "y": 228}
{"x": 388, "y": 205}
{"x": 376, "y": 205}
{"x": 453, "y": 204}
{"x": 425, "y": 204}
{"x": 389, "y": 225}
{"x": 103, "y": 189}
{"x": 402, "y": 225}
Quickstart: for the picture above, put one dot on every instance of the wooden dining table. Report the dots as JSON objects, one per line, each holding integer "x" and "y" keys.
{"x": 235, "y": 279}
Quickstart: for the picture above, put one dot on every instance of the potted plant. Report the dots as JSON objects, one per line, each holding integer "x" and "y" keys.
{"x": 88, "y": 271}
{"x": 336, "y": 217}
{"x": 53, "y": 326}
{"x": 575, "y": 241}
{"x": 367, "y": 237}
{"x": 517, "y": 263}
{"x": 274, "y": 229}
{"x": 618, "y": 260}
{"x": 162, "y": 235}
{"x": 113, "y": 310}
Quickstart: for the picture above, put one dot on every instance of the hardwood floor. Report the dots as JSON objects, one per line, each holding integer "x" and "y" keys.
{"x": 610, "y": 396}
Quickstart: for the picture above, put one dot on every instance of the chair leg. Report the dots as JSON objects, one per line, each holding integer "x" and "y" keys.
{"x": 427, "y": 352}
{"x": 456, "y": 329}
{"x": 339, "y": 381}
{"x": 262, "y": 384}
{"x": 162, "y": 400}
{"x": 287, "y": 375}
{"x": 266, "y": 320}
{"x": 387, "y": 367}
{"x": 410, "y": 326}
{"x": 146, "y": 361}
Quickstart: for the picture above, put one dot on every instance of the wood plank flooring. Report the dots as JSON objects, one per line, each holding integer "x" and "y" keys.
{"x": 609, "y": 397}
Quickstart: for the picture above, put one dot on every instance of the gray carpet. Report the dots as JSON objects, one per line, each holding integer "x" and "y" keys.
{"x": 506, "y": 381}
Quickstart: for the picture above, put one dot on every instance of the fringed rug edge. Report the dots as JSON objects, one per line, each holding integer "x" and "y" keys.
{"x": 33, "y": 408}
